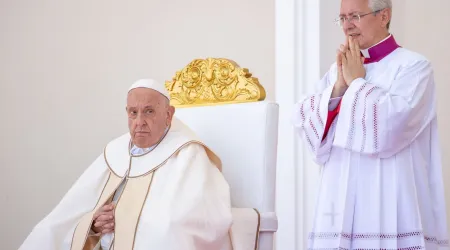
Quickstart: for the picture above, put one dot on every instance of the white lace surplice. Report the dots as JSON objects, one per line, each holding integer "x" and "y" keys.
{"x": 381, "y": 185}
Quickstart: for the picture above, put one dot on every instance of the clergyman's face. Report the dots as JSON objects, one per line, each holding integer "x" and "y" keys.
{"x": 370, "y": 29}
{"x": 149, "y": 114}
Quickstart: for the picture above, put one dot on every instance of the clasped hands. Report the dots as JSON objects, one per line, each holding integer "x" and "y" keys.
{"x": 104, "y": 219}
{"x": 350, "y": 65}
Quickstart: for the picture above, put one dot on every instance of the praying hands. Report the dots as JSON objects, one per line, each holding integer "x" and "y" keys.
{"x": 349, "y": 66}
{"x": 352, "y": 62}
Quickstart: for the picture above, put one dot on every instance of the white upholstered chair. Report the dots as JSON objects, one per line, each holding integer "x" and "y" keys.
{"x": 225, "y": 107}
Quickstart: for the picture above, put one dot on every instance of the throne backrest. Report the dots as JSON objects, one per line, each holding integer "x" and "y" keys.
{"x": 224, "y": 105}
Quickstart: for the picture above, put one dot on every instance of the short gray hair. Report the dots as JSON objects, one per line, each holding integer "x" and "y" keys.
{"x": 376, "y": 5}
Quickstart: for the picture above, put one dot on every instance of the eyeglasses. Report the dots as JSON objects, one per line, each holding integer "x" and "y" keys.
{"x": 353, "y": 18}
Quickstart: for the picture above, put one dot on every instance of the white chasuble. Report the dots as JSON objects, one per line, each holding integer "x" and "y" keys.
{"x": 173, "y": 197}
{"x": 381, "y": 184}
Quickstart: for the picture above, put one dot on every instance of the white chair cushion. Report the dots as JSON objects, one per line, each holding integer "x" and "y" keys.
{"x": 245, "y": 138}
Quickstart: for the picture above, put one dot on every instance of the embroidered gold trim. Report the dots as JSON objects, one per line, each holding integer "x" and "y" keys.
{"x": 107, "y": 164}
{"x": 159, "y": 165}
{"x": 145, "y": 199}
{"x": 129, "y": 210}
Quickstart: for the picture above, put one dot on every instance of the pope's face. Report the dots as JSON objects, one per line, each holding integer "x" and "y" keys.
{"x": 149, "y": 114}
{"x": 368, "y": 29}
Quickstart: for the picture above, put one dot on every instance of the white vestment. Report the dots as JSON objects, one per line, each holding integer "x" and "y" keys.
{"x": 106, "y": 239}
{"x": 174, "y": 197}
{"x": 381, "y": 185}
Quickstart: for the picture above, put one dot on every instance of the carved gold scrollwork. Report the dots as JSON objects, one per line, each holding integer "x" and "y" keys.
{"x": 214, "y": 81}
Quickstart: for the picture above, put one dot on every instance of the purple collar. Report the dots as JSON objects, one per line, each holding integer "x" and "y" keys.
{"x": 381, "y": 50}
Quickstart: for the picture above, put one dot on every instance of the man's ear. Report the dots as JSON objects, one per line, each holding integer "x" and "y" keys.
{"x": 386, "y": 15}
{"x": 170, "y": 113}
{"x": 171, "y": 110}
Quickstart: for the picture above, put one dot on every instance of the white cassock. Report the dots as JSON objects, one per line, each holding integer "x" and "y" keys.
{"x": 381, "y": 185}
{"x": 172, "y": 197}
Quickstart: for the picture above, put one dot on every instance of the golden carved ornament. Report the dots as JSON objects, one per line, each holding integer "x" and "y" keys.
{"x": 213, "y": 81}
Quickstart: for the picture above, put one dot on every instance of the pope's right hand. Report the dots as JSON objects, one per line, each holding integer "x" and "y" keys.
{"x": 104, "y": 219}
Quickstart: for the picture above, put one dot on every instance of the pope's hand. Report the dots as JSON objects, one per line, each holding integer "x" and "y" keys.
{"x": 353, "y": 62}
{"x": 104, "y": 219}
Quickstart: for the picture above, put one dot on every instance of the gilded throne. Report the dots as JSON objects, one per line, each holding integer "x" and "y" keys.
{"x": 226, "y": 107}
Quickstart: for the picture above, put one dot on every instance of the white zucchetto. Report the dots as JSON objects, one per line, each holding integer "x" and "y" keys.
{"x": 150, "y": 84}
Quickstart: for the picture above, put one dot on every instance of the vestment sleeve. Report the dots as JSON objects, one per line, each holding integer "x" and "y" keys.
{"x": 311, "y": 116}
{"x": 381, "y": 122}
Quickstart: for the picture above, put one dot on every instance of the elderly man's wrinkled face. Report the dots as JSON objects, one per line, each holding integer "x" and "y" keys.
{"x": 149, "y": 114}
{"x": 367, "y": 29}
